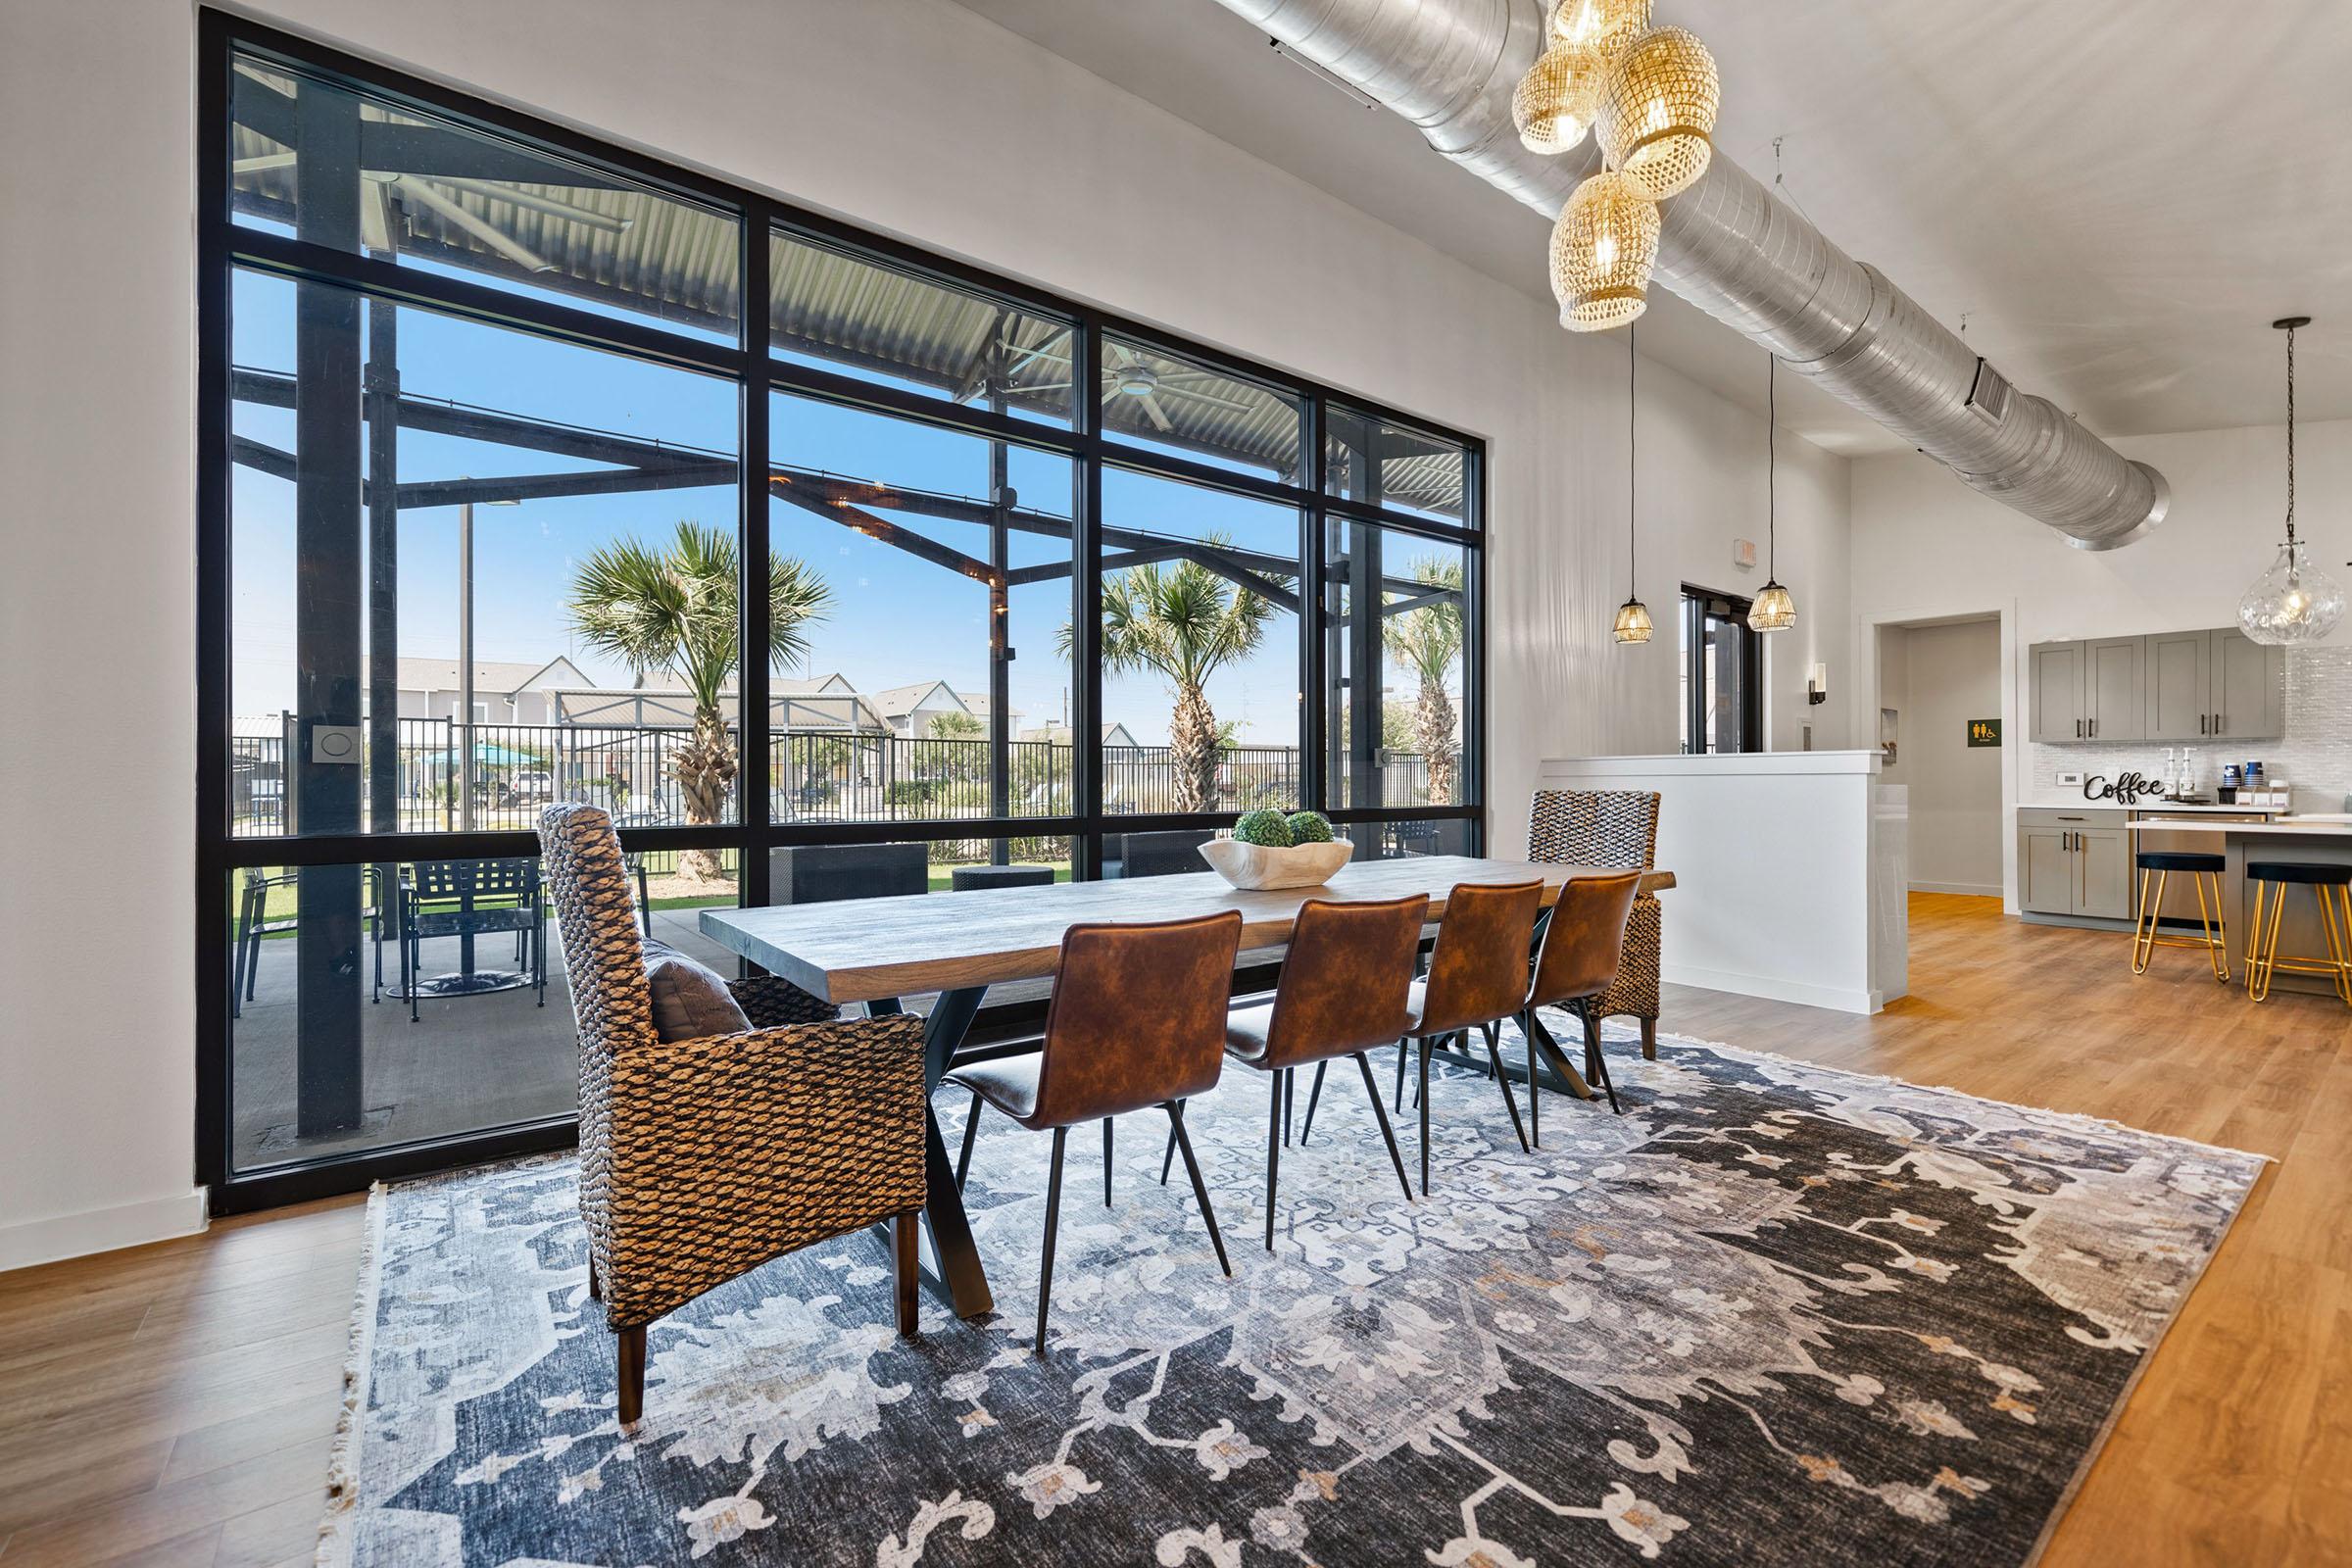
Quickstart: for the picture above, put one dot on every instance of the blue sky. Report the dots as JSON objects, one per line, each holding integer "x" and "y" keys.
{"x": 893, "y": 621}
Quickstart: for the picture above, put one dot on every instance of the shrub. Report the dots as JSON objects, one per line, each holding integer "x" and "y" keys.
{"x": 1267, "y": 828}
{"x": 1309, "y": 827}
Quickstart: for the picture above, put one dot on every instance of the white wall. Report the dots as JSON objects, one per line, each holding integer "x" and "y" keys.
{"x": 1939, "y": 678}
{"x": 1925, "y": 545}
{"x": 990, "y": 149}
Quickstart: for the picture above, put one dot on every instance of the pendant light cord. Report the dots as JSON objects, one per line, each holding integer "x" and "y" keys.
{"x": 1633, "y": 475}
{"x": 1772, "y": 456}
{"x": 2290, "y": 438}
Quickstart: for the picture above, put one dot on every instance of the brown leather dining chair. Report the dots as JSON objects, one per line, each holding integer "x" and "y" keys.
{"x": 1343, "y": 991}
{"x": 1477, "y": 978}
{"x": 1583, "y": 947}
{"x": 1137, "y": 1020}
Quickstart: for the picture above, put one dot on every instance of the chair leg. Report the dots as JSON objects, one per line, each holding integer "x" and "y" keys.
{"x": 1289, "y": 1101}
{"x": 905, "y": 1273}
{"x": 595, "y": 1287}
{"x": 971, "y": 1134}
{"x": 1503, "y": 1081}
{"x": 1424, "y": 1043}
{"x": 1596, "y": 1063}
{"x": 1045, "y": 1278}
{"x": 1167, "y": 1156}
{"x": 1106, "y": 1166}
{"x": 2217, "y": 944}
{"x": 1380, "y": 1114}
{"x": 1192, "y": 1168}
{"x": 1403, "y": 1050}
{"x": 2336, "y": 940}
{"x": 2259, "y": 969}
{"x": 1649, "y": 1040}
{"x": 632, "y": 1373}
{"x": 1273, "y": 1155}
{"x": 1314, "y": 1094}
{"x": 1535, "y": 1100}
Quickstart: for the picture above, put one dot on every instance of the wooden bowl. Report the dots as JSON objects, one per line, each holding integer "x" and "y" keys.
{"x": 1255, "y": 866}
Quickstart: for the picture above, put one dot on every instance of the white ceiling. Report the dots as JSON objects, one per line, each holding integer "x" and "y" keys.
{"x": 2120, "y": 196}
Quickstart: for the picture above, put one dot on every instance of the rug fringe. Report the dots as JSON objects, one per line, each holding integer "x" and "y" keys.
{"x": 2073, "y": 1117}
{"x": 343, "y": 1460}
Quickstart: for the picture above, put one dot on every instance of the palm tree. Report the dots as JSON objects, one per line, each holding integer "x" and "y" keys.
{"x": 1429, "y": 640}
{"x": 675, "y": 609}
{"x": 1185, "y": 622}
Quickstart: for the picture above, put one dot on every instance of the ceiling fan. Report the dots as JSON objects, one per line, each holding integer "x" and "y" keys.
{"x": 1131, "y": 376}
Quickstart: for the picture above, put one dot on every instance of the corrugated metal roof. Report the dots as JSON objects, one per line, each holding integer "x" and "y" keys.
{"x": 615, "y": 248}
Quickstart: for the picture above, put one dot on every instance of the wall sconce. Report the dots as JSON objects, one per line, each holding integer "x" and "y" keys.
{"x": 1817, "y": 684}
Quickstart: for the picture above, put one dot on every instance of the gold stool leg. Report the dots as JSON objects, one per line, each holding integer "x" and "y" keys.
{"x": 2217, "y": 935}
{"x": 2143, "y": 925}
{"x": 2261, "y": 964}
{"x": 2336, "y": 941}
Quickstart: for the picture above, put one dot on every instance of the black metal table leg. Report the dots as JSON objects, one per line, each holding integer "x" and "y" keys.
{"x": 943, "y": 1218}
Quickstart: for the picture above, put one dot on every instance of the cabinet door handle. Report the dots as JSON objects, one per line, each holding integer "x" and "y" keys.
{"x": 2077, "y": 729}
{"x": 2201, "y": 721}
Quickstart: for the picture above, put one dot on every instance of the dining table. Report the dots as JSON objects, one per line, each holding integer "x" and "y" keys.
{"x": 952, "y": 947}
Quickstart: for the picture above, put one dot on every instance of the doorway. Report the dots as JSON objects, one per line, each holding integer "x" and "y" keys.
{"x": 1941, "y": 738}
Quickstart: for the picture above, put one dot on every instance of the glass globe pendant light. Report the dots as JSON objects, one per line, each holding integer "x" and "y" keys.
{"x": 1602, "y": 249}
{"x": 2294, "y": 602}
{"x": 1632, "y": 616}
{"x": 1774, "y": 609}
{"x": 1657, "y": 113}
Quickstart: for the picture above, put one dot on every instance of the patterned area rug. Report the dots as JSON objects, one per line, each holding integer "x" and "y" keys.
{"x": 1773, "y": 1314}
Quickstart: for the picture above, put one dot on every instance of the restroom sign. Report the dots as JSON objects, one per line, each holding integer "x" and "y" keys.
{"x": 1983, "y": 732}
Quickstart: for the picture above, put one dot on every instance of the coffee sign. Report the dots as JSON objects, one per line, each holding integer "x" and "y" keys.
{"x": 2127, "y": 789}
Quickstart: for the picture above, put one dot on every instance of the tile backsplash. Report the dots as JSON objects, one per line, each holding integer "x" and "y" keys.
{"x": 2315, "y": 756}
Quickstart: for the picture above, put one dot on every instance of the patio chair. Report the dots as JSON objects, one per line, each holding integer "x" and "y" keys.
{"x": 255, "y": 924}
{"x": 468, "y": 900}
{"x": 1169, "y": 853}
{"x": 1617, "y": 829}
{"x": 700, "y": 1160}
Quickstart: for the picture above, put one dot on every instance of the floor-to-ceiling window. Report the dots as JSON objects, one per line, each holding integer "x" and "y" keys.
{"x": 512, "y": 491}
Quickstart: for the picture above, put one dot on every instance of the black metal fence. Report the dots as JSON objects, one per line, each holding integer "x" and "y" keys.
{"x": 813, "y": 776}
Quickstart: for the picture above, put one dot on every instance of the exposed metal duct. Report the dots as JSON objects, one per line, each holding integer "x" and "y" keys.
{"x": 1741, "y": 256}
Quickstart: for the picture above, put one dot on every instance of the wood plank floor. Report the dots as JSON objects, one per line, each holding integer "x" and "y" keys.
{"x": 173, "y": 1404}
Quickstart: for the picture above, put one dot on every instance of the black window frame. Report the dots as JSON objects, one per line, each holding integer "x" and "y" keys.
{"x": 225, "y": 247}
{"x": 1691, "y": 625}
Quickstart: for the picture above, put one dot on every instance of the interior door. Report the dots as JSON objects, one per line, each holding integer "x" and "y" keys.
{"x": 2058, "y": 692}
{"x": 2115, "y": 678}
{"x": 2181, "y": 686}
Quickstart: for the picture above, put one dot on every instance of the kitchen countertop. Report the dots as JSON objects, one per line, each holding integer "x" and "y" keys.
{"x": 2327, "y": 826}
{"x": 2145, "y": 805}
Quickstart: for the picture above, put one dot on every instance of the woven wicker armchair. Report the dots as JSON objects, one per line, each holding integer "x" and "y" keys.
{"x": 1616, "y": 828}
{"x": 701, "y": 1159}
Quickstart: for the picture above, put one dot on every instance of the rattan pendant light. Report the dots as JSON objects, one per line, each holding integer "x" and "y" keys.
{"x": 1657, "y": 111}
{"x": 1602, "y": 249}
{"x": 1607, "y": 25}
{"x": 1774, "y": 609}
{"x": 1632, "y": 616}
{"x": 1556, "y": 100}
{"x": 2294, "y": 602}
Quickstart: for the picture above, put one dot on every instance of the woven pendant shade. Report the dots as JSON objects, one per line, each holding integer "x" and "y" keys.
{"x": 1773, "y": 611}
{"x": 1556, "y": 100}
{"x": 1602, "y": 249}
{"x": 1657, "y": 114}
{"x": 1632, "y": 621}
{"x": 1607, "y": 25}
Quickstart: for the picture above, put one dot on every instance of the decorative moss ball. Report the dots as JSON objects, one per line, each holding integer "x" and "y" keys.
{"x": 1309, "y": 827}
{"x": 1269, "y": 829}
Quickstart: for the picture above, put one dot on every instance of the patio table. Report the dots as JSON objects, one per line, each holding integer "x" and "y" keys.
{"x": 883, "y": 951}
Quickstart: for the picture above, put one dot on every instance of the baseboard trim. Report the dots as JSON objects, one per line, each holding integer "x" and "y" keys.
{"x": 1972, "y": 889}
{"x": 101, "y": 1230}
{"x": 1836, "y": 998}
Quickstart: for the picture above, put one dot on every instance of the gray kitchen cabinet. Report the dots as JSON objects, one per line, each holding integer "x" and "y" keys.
{"x": 2103, "y": 873}
{"x": 2057, "y": 692}
{"x": 2045, "y": 870}
{"x": 2074, "y": 863}
{"x": 2114, "y": 684}
{"x": 2181, "y": 704}
{"x": 2249, "y": 687}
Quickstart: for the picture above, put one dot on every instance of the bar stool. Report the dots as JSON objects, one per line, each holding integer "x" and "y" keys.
{"x": 2201, "y": 869}
{"x": 2332, "y": 885}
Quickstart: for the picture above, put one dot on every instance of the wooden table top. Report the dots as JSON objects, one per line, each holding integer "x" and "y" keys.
{"x": 864, "y": 950}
